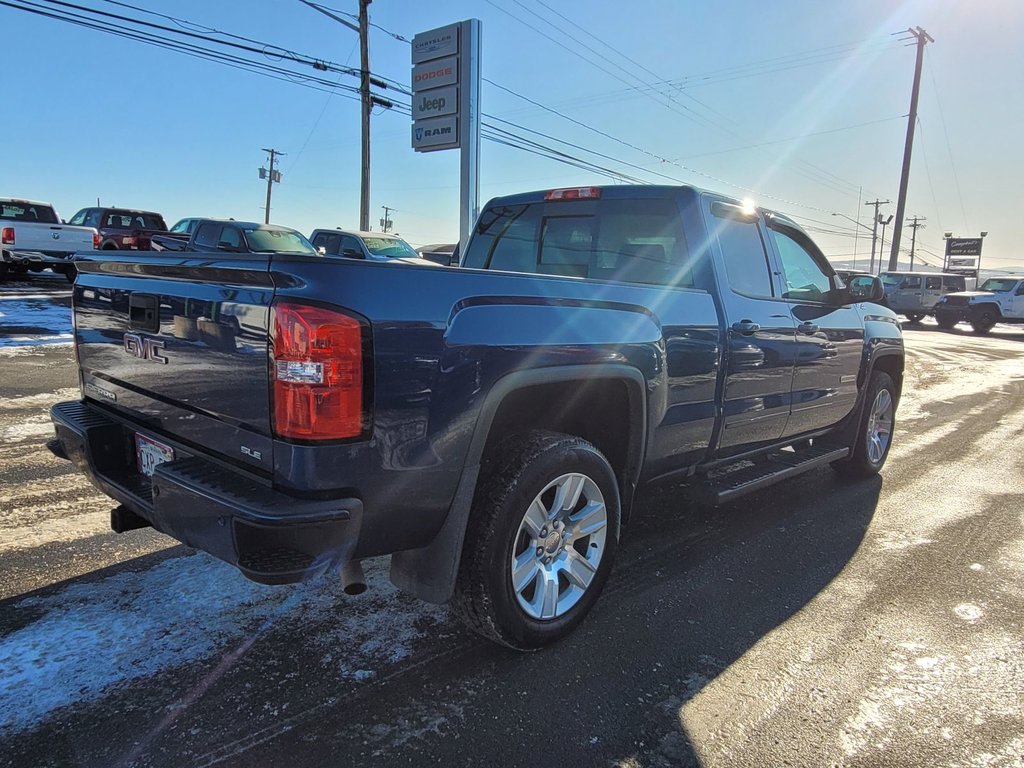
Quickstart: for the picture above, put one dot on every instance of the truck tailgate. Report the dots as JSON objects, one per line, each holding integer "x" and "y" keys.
{"x": 178, "y": 346}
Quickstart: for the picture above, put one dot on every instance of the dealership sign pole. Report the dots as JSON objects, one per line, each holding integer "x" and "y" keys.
{"x": 446, "y": 106}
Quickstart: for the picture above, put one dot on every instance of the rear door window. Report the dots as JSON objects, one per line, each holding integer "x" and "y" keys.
{"x": 953, "y": 283}
{"x": 746, "y": 261}
{"x": 933, "y": 283}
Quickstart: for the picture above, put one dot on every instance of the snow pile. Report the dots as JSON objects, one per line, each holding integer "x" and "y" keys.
{"x": 92, "y": 636}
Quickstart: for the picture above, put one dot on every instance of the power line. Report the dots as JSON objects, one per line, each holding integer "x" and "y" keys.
{"x": 949, "y": 148}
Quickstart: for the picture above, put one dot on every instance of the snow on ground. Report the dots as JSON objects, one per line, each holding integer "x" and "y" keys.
{"x": 33, "y": 322}
{"x": 92, "y": 636}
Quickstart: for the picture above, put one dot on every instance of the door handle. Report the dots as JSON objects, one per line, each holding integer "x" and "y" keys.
{"x": 807, "y": 327}
{"x": 746, "y": 327}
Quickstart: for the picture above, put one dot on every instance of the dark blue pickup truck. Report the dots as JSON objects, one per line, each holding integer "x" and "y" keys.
{"x": 486, "y": 426}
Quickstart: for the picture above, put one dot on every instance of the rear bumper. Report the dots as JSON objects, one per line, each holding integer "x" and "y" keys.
{"x": 46, "y": 258}
{"x": 273, "y": 538}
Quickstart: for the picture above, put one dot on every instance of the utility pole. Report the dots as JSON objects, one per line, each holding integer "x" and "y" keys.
{"x": 923, "y": 38}
{"x": 271, "y": 176}
{"x": 386, "y": 222}
{"x": 914, "y": 224}
{"x": 874, "y": 232}
{"x": 881, "y": 250}
{"x": 367, "y": 102}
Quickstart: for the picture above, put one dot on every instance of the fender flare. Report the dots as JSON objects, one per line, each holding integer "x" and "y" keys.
{"x": 430, "y": 572}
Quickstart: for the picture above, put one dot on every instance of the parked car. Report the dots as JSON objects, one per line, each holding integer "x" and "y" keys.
{"x": 121, "y": 228}
{"x": 997, "y": 300}
{"x": 488, "y": 426}
{"x": 33, "y": 237}
{"x": 371, "y": 246}
{"x": 230, "y": 236}
{"x": 914, "y": 294}
{"x": 445, "y": 254}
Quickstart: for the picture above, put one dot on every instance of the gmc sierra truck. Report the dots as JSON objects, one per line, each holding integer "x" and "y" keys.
{"x": 487, "y": 426}
{"x": 32, "y": 237}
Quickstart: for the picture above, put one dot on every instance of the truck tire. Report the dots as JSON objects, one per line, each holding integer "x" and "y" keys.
{"x": 874, "y": 430}
{"x": 945, "y": 322}
{"x": 914, "y": 317}
{"x": 983, "y": 318}
{"x": 541, "y": 538}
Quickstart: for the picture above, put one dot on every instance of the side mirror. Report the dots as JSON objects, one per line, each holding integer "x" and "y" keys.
{"x": 226, "y": 246}
{"x": 321, "y": 250}
{"x": 865, "y": 288}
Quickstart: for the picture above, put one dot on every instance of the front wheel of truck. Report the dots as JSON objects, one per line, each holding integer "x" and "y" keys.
{"x": 874, "y": 430}
{"x": 541, "y": 539}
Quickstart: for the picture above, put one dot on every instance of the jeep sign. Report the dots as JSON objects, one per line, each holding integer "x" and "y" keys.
{"x": 435, "y": 103}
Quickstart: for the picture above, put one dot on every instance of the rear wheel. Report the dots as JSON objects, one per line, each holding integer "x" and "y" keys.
{"x": 914, "y": 317}
{"x": 874, "y": 430}
{"x": 541, "y": 539}
{"x": 982, "y": 319}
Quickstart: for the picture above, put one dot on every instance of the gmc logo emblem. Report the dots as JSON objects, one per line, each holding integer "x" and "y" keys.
{"x": 144, "y": 348}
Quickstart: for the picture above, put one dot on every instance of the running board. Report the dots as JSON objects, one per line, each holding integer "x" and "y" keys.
{"x": 723, "y": 487}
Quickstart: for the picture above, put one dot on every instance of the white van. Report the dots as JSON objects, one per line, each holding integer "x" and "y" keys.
{"x": 914, "y": 294}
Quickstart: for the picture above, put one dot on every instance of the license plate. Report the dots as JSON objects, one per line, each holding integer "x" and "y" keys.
{"x": 149, "y": 454}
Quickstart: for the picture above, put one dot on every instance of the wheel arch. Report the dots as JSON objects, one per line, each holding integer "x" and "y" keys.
{"x": 429, "y": 572}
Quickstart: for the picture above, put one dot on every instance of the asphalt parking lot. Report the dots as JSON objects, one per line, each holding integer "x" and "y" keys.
{"x": 815, "y": 623}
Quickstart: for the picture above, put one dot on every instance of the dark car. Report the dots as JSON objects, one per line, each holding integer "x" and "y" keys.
{"x": 209, "y": 235}
{"x": 121, "y": 229}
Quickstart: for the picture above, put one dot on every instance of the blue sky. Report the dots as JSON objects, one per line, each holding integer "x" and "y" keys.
{"x": 796, "y": 104}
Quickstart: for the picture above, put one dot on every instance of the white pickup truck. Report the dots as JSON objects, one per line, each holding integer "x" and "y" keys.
{"x": 997, "y": 300}
{"x": 33, "y": 237}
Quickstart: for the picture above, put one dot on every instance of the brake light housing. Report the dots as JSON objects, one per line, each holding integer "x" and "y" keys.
{"x": 95, "y": 241}
{"x": 317, "y": 373}
{"x": 7, "y": 236}
{"x": 573, "y": 193}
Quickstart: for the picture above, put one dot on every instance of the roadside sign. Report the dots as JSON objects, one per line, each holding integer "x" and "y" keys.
{"x": 443, "y": 41}
{"x": 435, "y": 74}
{"x": 446, "y": 106}
{"x": 438, "y": 133}
{"x": 963, "y": 246}
{"x": 436, "y": 103}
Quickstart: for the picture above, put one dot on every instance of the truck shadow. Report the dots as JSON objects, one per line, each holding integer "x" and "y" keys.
{"x": 695, "y": 588}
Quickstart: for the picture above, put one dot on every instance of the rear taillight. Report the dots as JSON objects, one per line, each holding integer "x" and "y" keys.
{"x": 7, "y": 236}
{"x": 317, "y": 373}
{"x": 95, "y": 241}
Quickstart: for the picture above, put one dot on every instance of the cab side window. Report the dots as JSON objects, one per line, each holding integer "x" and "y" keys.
{"x": 208, "y": 234}
{"x": 804, "y": 278}
{"x": 911, "y": 282}
{"x": 349, "y": 243}
{"x": 230, "y": 239}
{"x": 78, "y": 219}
